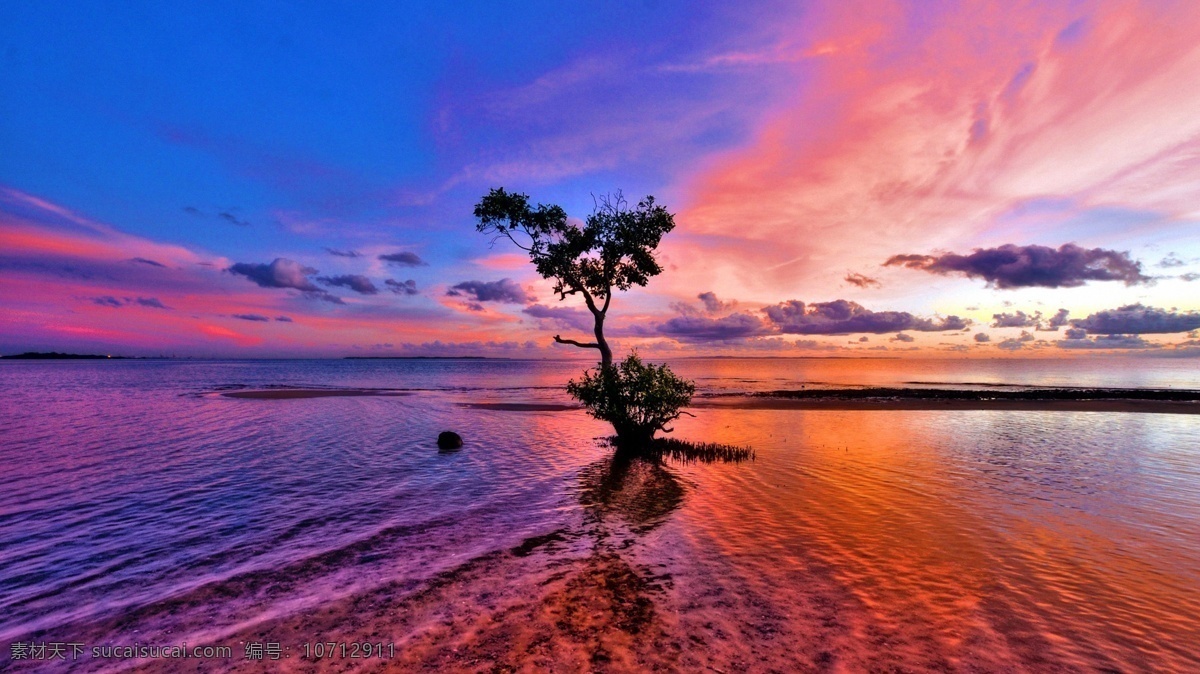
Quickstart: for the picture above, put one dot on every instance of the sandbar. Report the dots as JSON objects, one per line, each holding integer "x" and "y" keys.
{"x": 296, "y": 393}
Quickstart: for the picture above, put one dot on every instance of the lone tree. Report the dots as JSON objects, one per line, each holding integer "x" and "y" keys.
{"x": 614, "y": 250}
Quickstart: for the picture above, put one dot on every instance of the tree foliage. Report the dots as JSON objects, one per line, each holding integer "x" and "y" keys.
{"x": 614, "y": 249}
{"x": 639, "y": 400}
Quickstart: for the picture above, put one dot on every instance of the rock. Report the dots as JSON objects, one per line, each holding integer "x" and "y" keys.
{"x": 449, "y": 440}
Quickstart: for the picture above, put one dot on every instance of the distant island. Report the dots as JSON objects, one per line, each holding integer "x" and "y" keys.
{"x": 54, "y": 355}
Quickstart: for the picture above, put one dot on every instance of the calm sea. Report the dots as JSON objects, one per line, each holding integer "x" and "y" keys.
{"x": 136, "y": 502}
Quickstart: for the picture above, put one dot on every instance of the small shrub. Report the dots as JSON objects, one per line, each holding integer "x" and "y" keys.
{"x": 639, "y": 400}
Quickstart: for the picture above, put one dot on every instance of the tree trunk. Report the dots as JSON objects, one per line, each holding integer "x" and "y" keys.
{"x": 605, "y": 351}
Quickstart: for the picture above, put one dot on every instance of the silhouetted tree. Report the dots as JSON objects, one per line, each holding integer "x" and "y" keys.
{"x": 613, "y": 250}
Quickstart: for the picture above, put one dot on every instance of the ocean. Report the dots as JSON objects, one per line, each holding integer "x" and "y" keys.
{"x": 138, "y": 504}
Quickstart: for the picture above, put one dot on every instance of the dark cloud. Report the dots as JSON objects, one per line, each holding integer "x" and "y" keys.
{"x": 408, "y": 287}
{"x": 1011, "y": 266}
{"x": 1171, "y": 260}
{"x": 192, "y": 210}
{"x": 281, "y": 273}
{"x": 110, "y": 301}
{"x": 864, "y": 338}
{"x": 1136, "y": 319}
{"x": 711, "y": 304}
{"x": 152, "y": 302}
{"x": 862, "y": 281}
{"x": 152, "y": 263}
{"x": 1026, "y": 336}
{"x": 705, "y": 329}
{"x": 1189, "y": 277}
{"x": 1011, "y": 344}
{"x": 1019, "y": 319}
{"x": 841, "y": 317}
{"x": 1075, "y": 333}
{"x": 252, "y": 317}
{"x": 403, "y": 259}
{"x": 1108, "y": 342}
{"x": 812, "y": 344}
{"x": 505, "y": 290}
{"x": 230, "y": 217}
{"x": 567, "y": 317}
{"x": 107, "y": 301}
{"x": 982, "y": 337}
{"x": 358, "y": 283}
{"x": 343, "y": 253}
{"x": 284, "y": 319}
{"x": 284, "y": 273}
{"x": 901, "y": 337}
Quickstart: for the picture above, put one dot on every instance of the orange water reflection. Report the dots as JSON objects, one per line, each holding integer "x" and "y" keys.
{"x": 909, "y": 524}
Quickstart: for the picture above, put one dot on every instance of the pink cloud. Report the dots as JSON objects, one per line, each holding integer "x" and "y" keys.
{"x": 504, "y": 262}
{"x": 921, "y": 126}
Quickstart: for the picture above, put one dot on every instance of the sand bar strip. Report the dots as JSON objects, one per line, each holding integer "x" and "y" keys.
{"x": 296, "y": 393}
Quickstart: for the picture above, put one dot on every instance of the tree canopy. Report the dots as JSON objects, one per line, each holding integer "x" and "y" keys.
{"x": 614, "y": 249}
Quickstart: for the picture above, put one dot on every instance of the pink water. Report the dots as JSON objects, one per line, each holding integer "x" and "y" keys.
{"x": 133, "y": 498}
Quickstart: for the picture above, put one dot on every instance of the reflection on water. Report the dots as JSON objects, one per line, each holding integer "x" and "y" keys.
{"x": 133, "y": 506}
{"x": 639, "y": 492}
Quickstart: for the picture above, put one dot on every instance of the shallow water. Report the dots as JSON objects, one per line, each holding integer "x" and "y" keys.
{"x": 135, "y": 498}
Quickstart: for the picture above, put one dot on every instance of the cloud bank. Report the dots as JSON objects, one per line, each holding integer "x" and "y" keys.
{"x": 402, "y": 259}
{"x": 1010, "y": 266}
{"x": 841, "y": 317}
{"x": 506, "y": 291}
{"x": 280, "y": 273}
{"x": 358, "y": 283}
{"x": 1137, "y": 319}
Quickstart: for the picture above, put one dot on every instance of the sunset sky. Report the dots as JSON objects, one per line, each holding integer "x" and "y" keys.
{"x": 938, "y": 178}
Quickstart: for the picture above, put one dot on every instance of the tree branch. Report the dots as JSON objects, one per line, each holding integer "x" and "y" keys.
{"x": 582, "y": 345}
{"x": 587, "y": 296}
{"x": 508, "y": 235}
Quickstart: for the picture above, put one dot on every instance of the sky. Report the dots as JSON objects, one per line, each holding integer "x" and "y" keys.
{"x": 870, "y": 178}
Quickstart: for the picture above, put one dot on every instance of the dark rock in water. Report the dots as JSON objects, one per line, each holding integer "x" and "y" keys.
{"x": 449, "y": 440}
